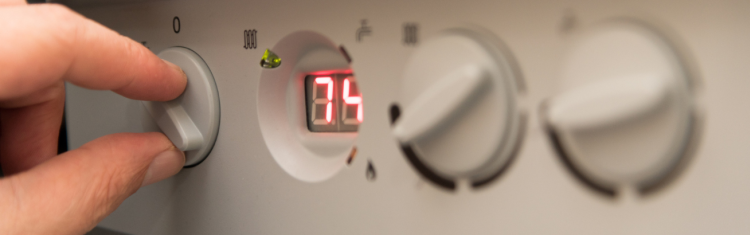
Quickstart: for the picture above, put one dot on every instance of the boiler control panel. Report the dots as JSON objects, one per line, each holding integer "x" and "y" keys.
{"x": 422, "y": 117}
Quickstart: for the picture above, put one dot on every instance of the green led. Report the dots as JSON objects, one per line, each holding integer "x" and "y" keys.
{"x": 270, "y": 60}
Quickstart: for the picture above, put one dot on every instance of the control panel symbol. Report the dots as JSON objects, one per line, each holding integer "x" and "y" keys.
{"x": 251, "y": 39}
{"x": 176, "y": 24}
{"x": 410, "y": 34}
{"x": 270, "y": 60}
{"x": 363, "y": 30}
{"x": 370, "y": 173}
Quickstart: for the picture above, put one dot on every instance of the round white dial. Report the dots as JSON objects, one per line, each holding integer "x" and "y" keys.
{"x": 458, "y": 106}
{"x": 625, "y": 116}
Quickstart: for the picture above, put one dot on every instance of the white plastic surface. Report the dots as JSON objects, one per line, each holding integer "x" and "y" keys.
{"x": 629, "y": 127}
{"x": 306, "y": 156}
{"x": 176, "y": 124}
{"x": 191, "y": 121}
{"x": 458, "y": 97}
{"x": 610, "y": 102}
{"x": 439, "y": 102}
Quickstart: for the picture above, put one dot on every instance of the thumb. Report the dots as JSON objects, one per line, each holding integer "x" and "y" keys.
{"x": 71, "y": 193}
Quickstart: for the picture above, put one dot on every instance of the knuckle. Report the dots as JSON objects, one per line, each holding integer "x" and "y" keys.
{"x": 109, "y": 188}
{"x": 13, "y": 204}
{"x": 99, "y": 197}
{"x": 15, "y": 192}
{"x": 134, "y": 51}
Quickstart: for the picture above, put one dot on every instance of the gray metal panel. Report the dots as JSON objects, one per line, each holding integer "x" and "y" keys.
{"x": 240, "y": 189}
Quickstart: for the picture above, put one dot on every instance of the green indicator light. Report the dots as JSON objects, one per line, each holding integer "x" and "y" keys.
{"x": 270, "y": 60}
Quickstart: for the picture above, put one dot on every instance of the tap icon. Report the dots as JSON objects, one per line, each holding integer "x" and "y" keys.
{"x": 363, "y": 30}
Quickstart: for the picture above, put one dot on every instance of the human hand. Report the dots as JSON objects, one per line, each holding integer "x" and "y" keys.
{"x": 41, "y": 46}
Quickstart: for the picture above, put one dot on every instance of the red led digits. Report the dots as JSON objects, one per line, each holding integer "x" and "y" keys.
{"x": 339, "y": 94}
{"x": 329, "y": 106}
{"x": 351, "y": 100}
{"x": 327, "y": 101}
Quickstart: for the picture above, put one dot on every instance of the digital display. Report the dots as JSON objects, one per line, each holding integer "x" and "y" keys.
{"x": 333, "y": 102}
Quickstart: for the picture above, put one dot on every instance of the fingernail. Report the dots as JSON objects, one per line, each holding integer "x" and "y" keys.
{"x": 176, "y": 68}
{"x": 164, "y": 165}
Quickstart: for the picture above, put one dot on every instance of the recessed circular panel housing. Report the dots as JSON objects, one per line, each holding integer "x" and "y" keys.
{"x": 459, "y": 113}
{"x": 309, "y": 108}
{"x": 626, "y": 115}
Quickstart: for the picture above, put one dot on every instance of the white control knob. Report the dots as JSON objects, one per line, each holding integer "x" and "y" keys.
{"x": 176, "y": 124}
{"x": 191, "y": 121}
{"x": 625, "y": 116}
{"x": 459, "y": 117}
{"x": 440, "y": 101}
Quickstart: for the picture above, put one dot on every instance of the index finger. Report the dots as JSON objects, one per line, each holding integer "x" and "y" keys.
{"x": 12, "y": 2}
{"x": 46, "y": 43}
